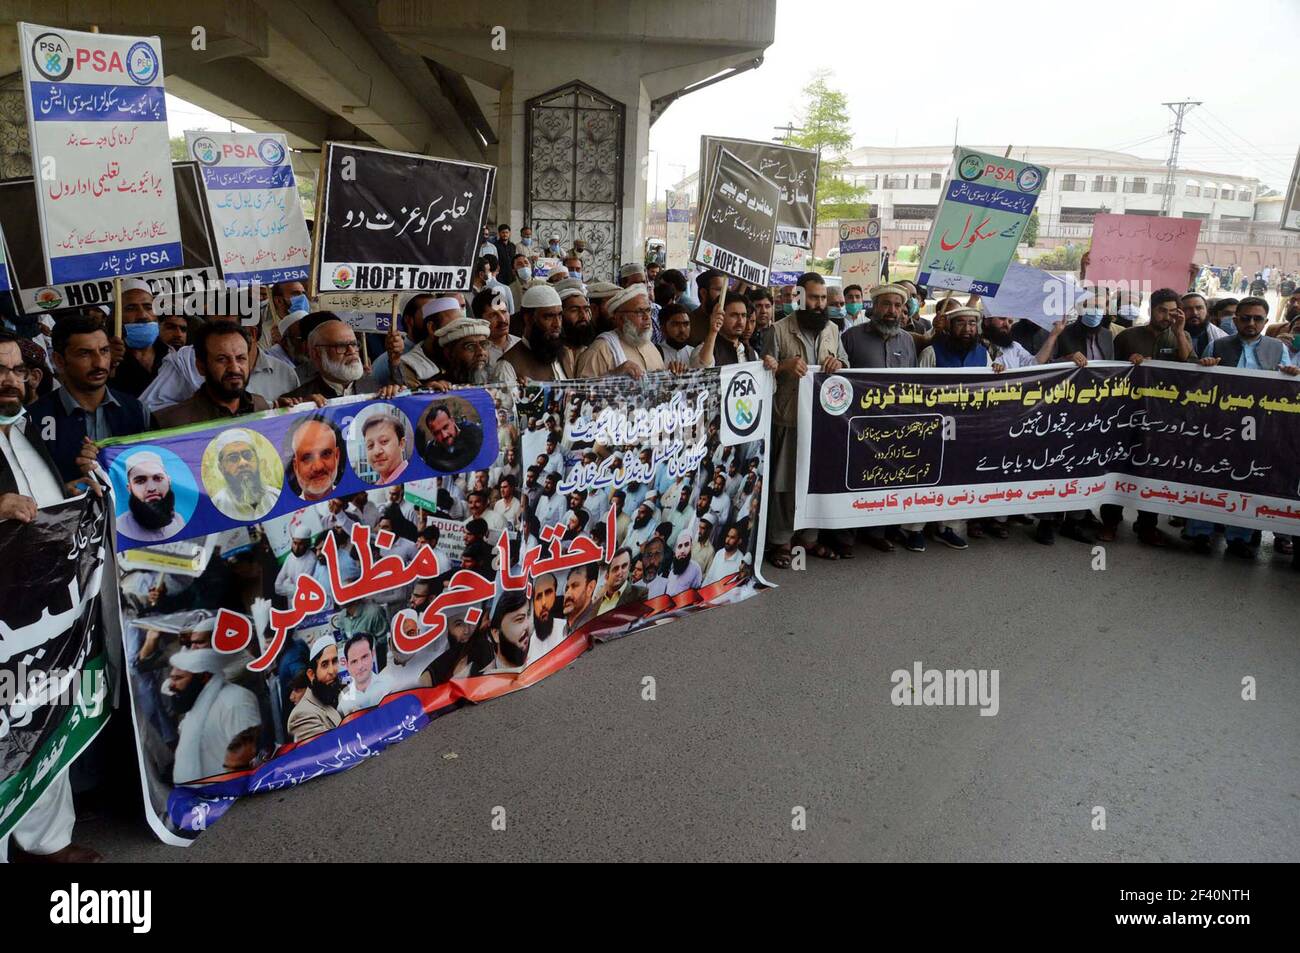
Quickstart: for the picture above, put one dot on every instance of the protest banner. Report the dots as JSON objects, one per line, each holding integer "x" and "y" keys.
{"x": 1207, "y": 443}
{"x": 376, "y": 321}
{"x": 53, "y": 685}
{"x": 1291, "y": 205}
{"x": 986, "y": 204}
{"x": 249, "y": 184}
{"x": 288, "y": 542}
{"x": 1142, "y": 251}
{"x": 737, "y": 228}
{"x": 860, "y": 252}
{"x": 397, "y": 222}
{"x": 788, "y": 263}
{"x": 97, "y": 118}
{"x": 1034, "y": 294}
{"x": 677, "y": 230}
{"x": 793, "y": 170}
{"x": 20, "y": 221}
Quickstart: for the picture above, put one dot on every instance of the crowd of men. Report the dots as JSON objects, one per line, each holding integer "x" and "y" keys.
{"x": 77, "y": 383}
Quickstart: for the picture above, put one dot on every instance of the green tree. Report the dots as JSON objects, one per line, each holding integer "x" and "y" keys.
{"x": 824, "y": 122}
{"x": 178, "y": 148}
{"x": 1031, "y": 229}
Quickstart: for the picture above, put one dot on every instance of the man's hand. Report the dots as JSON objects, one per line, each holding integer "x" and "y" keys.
{"x": 998, "y": 368}
{"x": 1211, "y": 361}
{"x": 15, "y": 506}
{"x": 1135, "y": 358}
{"x": 317, "y": 399}
{"x": 1058, "y": 327}
{"x": 715, "y": 321}
{"x": 389, "y": 391}
{"x": 1079, "y": 358}
{"x": 793, "y": 366}
{"x": 831, "y": 364}
{"x": 1193, "y": 272}
{"x": 769, "y": 363}
{"x": 117, "y": 351}
{"x": 435, "y": 385}
{"x": 1290, "y": 370}
{"x": 86, "y": 456}
{"x": 1083, "y": 264}
{"x": 394, "y": 344}
{"x": 677, "y": 367}
{"x": 634, "y": 371}
{"x": 1180, "y": 319}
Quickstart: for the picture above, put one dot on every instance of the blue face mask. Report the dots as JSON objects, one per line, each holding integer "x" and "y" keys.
{"x": 787, "y": 308}
{"x": 299, "y": 303}
{"x": 576, "y": 274}
{"x": 835, "y": 311}
{"x": 913, "y": 307}
{"x": 526, "y": 242}
{"x": 1091, "y": 318}
{"x": 140, "y": 335}
{"x": 524, "y": 274}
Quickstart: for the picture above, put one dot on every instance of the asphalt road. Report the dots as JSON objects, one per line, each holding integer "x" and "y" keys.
{"x": 1119, "y": 688}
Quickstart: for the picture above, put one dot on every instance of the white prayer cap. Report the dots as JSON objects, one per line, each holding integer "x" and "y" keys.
{"x": 571, "y": 292}
{"x": 893, "y": 289}
{"x": 290, "y": 319}
{"x": 462, "y": 328}
{"x": 684, "y": 536}
{"x": 135, "y": 284}
{"x": 557, "y": 275}
{"x": 541, "y": 296}
{"x": 962, "y": 313}
{"x": 602, "y": 289}
{"x": 206, "y": 625}
{"x": 437, "y": 306}
{"x": 145, "y": 460}
{"x": 300, "y": 532}
{"x": 568, "y": 284}
{"x": 46, "y": 321}
{"x": 320, "y": 645}
{"x": 198, "y": 660}
{"x": 628, "y": 269}
{"x": 625, "y": 295}
{"x": 233, "y": 435}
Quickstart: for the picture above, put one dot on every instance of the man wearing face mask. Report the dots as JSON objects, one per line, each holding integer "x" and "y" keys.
{"x": 835, "y": 306}
{"x": 1085, "y": 339}
{"x": 795, "y": 342}
{"x": 141, "y": 351}
{"x": 854, "y": 306}
{"x": 1222, "y": 311}
{"x": 913, "y": 320}
{"x": 1198, "y": 326}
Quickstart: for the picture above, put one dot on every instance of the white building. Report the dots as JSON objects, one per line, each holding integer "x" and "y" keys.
{"x": 907, "y": 184}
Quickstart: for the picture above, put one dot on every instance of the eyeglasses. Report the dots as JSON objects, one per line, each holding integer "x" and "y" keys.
{"x": 342, "y": 348}
{"x": 1261, "y": 318}
{"x": 20, "y": 372}
{"x": 234, "y": 455}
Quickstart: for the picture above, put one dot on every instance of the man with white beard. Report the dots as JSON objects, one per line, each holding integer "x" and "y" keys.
{"x": 219, "y": 721}
{"x": 629, "y": 348}
{"x": 336, "y": 356}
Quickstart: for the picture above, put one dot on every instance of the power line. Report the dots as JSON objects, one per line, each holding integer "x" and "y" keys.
{"x": 1265, "y": 164}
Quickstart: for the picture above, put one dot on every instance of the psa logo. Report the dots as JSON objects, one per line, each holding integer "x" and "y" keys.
{"x": 206, "y": 150}
{"x": 270, "y": 151}
{"x": 343, "y": 277}
{"x": 55, "y": 59}
{"x": 743, "y": 404}
{"x": 52, "y": 56}
{"x": 873, "y": 228}
{"x": 836, "y": 395}
{"x": 707, "y": 256}
{"x": 972, "y": 167}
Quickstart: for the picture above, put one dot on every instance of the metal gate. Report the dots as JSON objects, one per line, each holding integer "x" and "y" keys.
{"x": 574, "y": 170}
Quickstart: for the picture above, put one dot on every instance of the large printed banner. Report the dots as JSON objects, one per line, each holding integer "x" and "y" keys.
{"x": 249, "y": 183}
{"x": 987, "y": 201}
{"x": 397, "y": 222}
{"x": 53, "y": 689}
{"x": 1216, "y": 444}
{"x": 793, "y": 170}
{"x": 737, "y": 228}
{"x": 97, "y": 117}
{"x": 20, "y": 219}
{"x": 301, "y": 589}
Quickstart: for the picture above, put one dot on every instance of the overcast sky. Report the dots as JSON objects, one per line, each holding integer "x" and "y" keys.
{"x": 1090, "y": 74}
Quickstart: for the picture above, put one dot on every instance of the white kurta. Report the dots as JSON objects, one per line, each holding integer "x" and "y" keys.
{"x": 220, "y": 714}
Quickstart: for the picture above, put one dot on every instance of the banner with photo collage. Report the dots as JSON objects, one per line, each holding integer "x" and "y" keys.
{"x": 300, "y": 589}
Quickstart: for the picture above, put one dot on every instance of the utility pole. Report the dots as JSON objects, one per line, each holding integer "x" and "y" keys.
{"x": 789, "y": 129}
{"x": 1179, "y": 110}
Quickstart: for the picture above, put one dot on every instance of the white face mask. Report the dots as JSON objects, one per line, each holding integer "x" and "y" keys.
{"x": 524, "y": 273}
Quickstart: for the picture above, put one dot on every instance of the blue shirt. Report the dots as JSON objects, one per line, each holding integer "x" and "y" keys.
{"x": 1250, "y": 359}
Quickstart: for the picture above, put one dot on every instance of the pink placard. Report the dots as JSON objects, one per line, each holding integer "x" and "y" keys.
{"x": 1138, "y": 248}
